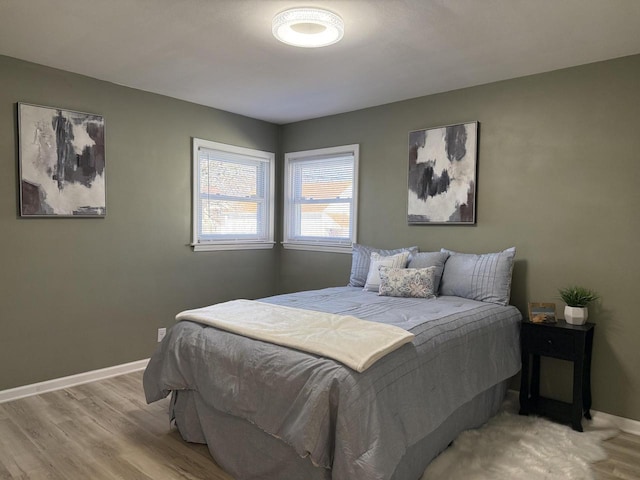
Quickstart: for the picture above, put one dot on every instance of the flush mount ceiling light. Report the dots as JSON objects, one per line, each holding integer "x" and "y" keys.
{"x": 308, "y": 27}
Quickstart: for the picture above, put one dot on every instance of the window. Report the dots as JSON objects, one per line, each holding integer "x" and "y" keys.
{"x": 321, "y": 188}
{"x": 232, "y": 197}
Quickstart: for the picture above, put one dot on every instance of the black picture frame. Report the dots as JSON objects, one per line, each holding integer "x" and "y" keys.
{"x": 61, "y": 162}
{"x": 442, "y": 179}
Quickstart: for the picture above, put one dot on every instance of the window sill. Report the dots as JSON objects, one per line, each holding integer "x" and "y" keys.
{"x": 318, "y": 247}
{"x": 210, "y": 247}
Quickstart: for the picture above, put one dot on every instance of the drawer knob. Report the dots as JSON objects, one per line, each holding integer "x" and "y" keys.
{"x": 549, "y": 341}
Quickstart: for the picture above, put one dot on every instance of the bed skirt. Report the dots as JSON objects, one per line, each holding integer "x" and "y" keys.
{"x": 248, "y": 453}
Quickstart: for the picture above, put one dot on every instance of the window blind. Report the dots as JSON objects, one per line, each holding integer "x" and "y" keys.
{"x": 233, "y": 194}
{"x": 321, "y": 203}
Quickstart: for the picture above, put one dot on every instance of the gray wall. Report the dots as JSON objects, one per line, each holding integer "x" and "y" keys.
{"x": 558, "y": 178}
{"x": 82, "y": 294}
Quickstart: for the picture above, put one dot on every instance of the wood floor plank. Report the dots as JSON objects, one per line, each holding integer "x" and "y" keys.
{"x": 98, "y": 431}
{"x": 623, "y": 462}
{"x": 18, "y": 453}
{"x": 105, "y": 431}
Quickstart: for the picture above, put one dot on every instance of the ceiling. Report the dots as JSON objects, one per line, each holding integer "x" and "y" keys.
{"x": 221, "y": 53}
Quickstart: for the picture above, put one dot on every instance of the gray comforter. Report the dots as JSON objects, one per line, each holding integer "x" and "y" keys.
{"x": 357, "y": 424}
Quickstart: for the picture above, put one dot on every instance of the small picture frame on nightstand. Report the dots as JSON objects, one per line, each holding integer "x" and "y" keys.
{"x": 542, "y": 312}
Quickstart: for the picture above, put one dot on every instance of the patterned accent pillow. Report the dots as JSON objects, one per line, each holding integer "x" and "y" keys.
{"x": 407, "y": 282}
{"x": 485, "y": 277}
{"x": 361, "y": 257}
{"x": 398, "y": 260}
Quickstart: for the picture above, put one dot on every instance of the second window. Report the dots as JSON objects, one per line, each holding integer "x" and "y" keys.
{"x": 320, "y": 199}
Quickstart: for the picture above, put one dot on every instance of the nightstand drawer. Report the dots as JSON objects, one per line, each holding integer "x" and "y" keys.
{"x": 552, "y": 343}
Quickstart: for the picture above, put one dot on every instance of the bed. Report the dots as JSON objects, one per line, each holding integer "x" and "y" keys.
{"x": 270, "y": 412}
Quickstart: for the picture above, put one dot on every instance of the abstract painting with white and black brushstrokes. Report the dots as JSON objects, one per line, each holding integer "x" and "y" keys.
{"x": 442, "y": 174}
{"x": 62, "y": 162}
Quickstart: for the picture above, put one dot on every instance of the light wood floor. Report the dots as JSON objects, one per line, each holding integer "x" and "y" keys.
{"x": 105, "y": 430}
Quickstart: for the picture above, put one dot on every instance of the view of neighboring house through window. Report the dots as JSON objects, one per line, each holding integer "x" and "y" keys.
{"x": 232, "y": 197}
{"x": 320, "y": 199}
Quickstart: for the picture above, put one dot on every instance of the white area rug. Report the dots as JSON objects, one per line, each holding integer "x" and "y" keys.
{"x": 511, "y": 447}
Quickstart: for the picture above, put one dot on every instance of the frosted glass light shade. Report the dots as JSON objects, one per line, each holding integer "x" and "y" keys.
{"x": 308, "y": 27}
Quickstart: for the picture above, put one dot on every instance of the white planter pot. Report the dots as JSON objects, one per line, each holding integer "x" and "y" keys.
{"x": 576, "y": 315}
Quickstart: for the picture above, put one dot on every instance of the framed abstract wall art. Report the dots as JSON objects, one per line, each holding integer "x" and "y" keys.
{"x": 62, "y": 162}
{"x": 443, "y": 165}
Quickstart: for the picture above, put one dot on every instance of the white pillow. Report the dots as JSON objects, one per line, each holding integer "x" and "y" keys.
{"x": 398, "y": 260}
{"x": 361, "y": 258}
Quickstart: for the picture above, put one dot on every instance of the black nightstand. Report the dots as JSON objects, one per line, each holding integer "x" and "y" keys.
{"x": 567, "y": 342}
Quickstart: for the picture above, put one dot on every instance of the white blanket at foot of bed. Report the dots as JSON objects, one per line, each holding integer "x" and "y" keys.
{"x": 354, "y": 342}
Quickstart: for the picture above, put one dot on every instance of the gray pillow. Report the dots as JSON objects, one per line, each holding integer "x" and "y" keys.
{"x": 485, "y": 277}
{"x": 430, "y": 259}
{"x": 361, "y": 256}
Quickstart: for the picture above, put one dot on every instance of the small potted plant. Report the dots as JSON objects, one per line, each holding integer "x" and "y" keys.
{"x": 577, "y": 299}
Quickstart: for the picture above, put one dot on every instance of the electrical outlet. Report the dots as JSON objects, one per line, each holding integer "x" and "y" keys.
{"x": 161, "y": 333}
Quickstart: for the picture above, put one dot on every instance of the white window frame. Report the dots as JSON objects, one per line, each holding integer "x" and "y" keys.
{"x": 200, "y": 245}
{"x": 289, "y": 241}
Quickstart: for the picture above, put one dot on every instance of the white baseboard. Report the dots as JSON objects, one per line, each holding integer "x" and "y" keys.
{"x": 621, "y": 423}
{"x": 625, "y": 424}
{"x": 71, "y": 380}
